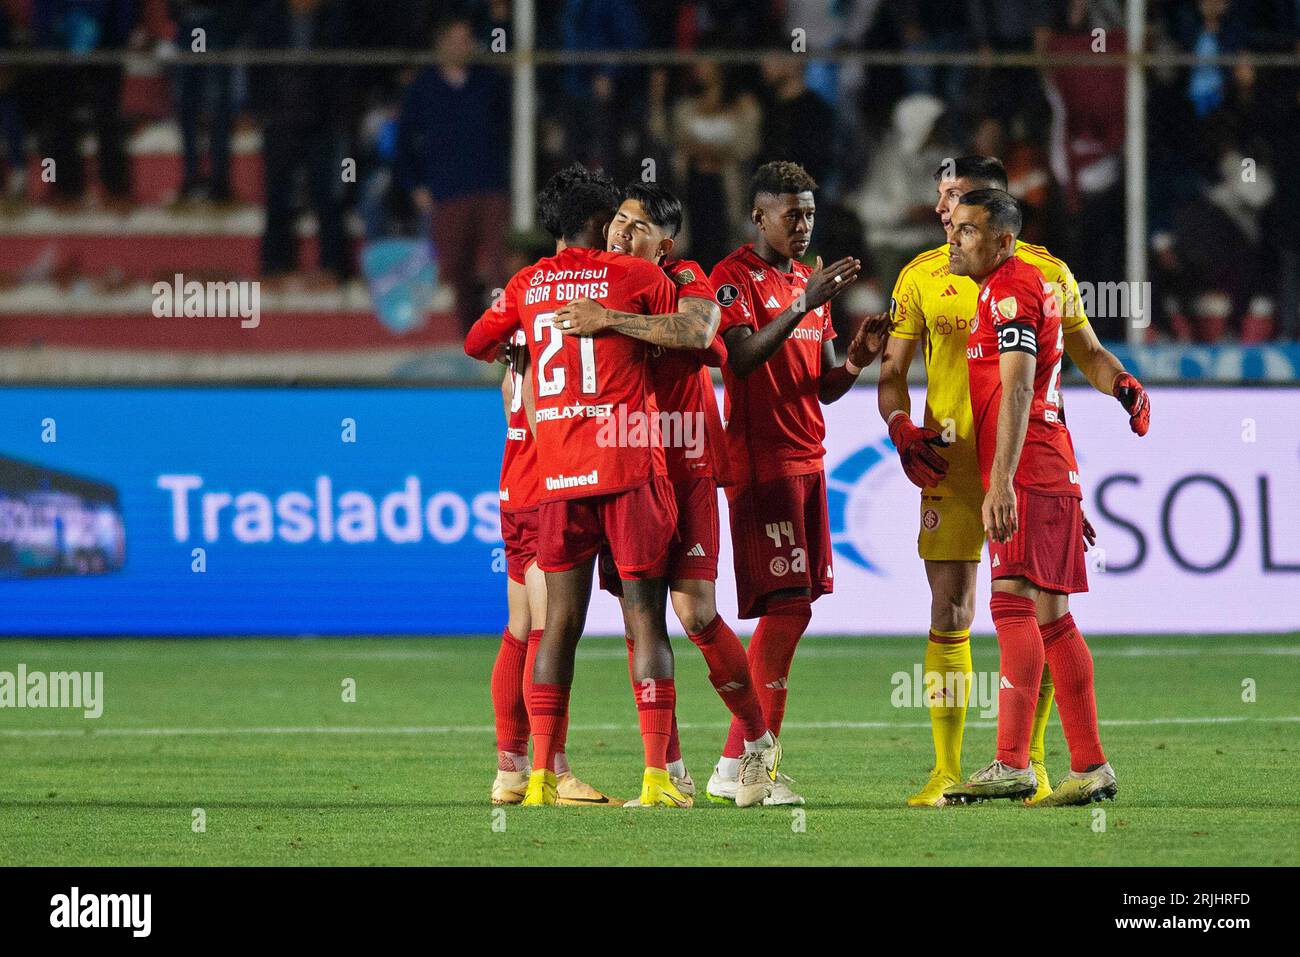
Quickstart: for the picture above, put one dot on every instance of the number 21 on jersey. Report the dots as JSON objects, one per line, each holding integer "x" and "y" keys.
{"x": 551, "y": 374}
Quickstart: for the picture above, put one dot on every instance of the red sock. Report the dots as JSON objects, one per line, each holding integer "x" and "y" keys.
{"x": 674, "y": 742}
{"x": 655, "y": 701}
{"x": 1021, "y": 664}
{"x": 550, "y": 715}
{"x": 770, "y": 652}
{"x": 1070, "y": 664}
{"x": 508, "y": 702}
{"x": 729, "y": 675}
{"x": 530, "y": 659}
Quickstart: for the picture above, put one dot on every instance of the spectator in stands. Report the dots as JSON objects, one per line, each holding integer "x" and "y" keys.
{"x": 715, "y": 130}
{"x": 797, "y": 123}
{"x": 1029, "y": 179}
{"x": 207, "y": 92}
{"x": 1209, "y": 28}
{"x": 897, "y": 200}
{"x": 1007, "y": 26}
{"x": 1087, "y": 156}
{"x": 453, "y": 151}
{"x": 12, "y": 121}
{"x": 935, "y": 26}
{"x": 306, "y": 119}
{"x": 600, "y": 103}
{"x": 73, "y": 97}
{"x": 1209, "y": 266}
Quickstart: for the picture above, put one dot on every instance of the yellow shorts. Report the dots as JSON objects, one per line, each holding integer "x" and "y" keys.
{"x": 951, "y": 527}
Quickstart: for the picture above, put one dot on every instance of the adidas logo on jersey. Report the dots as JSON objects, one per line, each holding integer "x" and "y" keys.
{"x": 950, "y": 291}
{"x": 772, "y": 303}
{"x": 997, "y": 560}
{"x": 697, "y": 551}
{"x": 1006, "y": 683}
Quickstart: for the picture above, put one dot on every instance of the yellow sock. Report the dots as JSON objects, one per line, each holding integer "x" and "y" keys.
{"x": 947, "y": 655}
{"x": 1046, "y": 691}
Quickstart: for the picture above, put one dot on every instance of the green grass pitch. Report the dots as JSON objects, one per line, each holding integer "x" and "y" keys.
{"x": 256, "y": 734}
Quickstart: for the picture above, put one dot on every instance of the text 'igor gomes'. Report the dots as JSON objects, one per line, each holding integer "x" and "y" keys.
{"x": 352, "y": 517}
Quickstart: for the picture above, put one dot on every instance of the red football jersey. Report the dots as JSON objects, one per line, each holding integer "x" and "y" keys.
{"x": 691, "y": 428}
{"x": 773, "y": 417}
{"x": 595, "y": 404}
{"x": 519, "y": 476}
{"x": 1017, "y": 312}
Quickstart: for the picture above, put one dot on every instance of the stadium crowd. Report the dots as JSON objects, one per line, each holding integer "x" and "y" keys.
{"x": 433, "y": 144}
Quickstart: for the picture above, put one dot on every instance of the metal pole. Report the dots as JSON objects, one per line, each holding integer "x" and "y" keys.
{"x": 1135, "y": 174}
{"x": 523, "y": 149}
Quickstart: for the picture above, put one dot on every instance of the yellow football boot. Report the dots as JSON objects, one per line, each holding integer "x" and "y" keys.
{"x": 658, "y": 790}
{"x": 541, "y": 788}
{"x": 1044, "y": 786}
{"x": 1083, "y": 787}
{"x": 931, "y": 795}
{"x": 570, "y": 792}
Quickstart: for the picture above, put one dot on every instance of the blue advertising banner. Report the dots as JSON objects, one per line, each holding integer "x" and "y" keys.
{"x": 210, "y": 511}
{"x": 249, "y": 511}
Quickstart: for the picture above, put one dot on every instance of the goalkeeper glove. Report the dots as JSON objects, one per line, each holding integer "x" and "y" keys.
{"x": 924, "y": 467}
{"x": 1133, "y": 397}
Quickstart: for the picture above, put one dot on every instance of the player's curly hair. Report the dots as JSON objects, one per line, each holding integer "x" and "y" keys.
{"x": 548, "y": 199}
{"x": 581, "y": 204}
{"x": 780, "y": 176}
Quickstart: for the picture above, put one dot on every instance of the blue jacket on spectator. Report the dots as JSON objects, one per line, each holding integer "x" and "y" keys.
{"x": 81, "y": 26}
{"x": 598, "y": 25}
{"x": 454, "y": 141}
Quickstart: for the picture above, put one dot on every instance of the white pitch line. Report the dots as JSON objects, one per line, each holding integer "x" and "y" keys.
{"x": 488, "y": 729}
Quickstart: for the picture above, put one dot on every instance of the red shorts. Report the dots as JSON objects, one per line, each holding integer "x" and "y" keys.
{"x": 781, "y": 539}
{"x": 1048, "y": 548}
{"x": 638, "y": 525}
{"x": 519, "y": 532}
{"x": 694, "y": 555}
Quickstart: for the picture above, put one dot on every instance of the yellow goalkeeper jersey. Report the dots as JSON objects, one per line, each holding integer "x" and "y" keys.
{"x": 933, "y": 305}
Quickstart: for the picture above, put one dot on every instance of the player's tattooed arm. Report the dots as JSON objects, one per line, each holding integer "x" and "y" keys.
{"x": 748, "y": 349}
{"x": 1016, "y": 369}
{"x": 693, "y": 326}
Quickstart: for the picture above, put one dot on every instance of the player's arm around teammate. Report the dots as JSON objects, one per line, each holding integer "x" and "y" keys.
{"x": 645, "y": 227}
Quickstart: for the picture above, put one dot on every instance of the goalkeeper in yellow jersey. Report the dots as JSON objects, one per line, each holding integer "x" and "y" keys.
{"x": 933, "y": 307}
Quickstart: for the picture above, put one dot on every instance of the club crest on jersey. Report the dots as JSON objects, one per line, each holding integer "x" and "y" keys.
{"x": 1008, "y": 307}
{"x": 685, "y": 276}
{"x": 727, "y": 294}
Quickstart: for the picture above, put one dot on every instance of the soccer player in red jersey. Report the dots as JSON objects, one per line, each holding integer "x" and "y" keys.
{"x": 776, "y": 323}
{"x": 526, "y": 584}
{"x": 1032, "y": 510}
{"x": 594, "y": 491}
{"x": 691, "y": 431}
